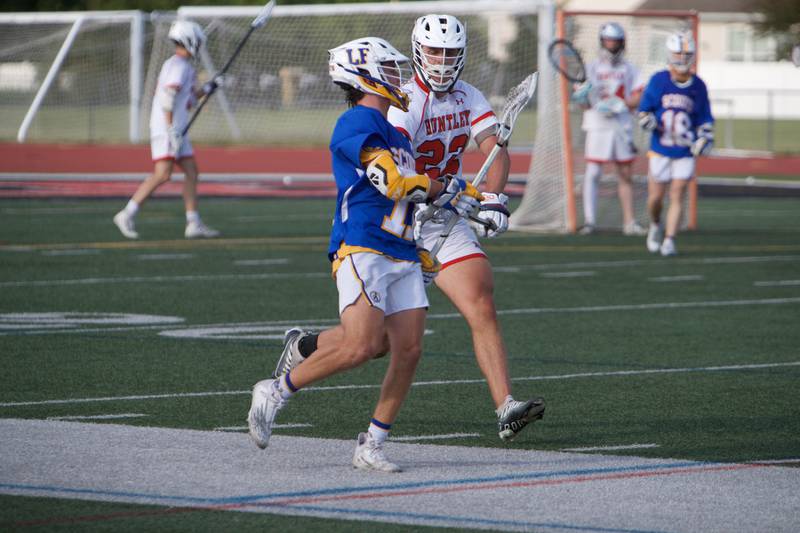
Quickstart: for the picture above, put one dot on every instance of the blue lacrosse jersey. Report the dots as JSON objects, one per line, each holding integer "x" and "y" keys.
{"x": 365, "y": 217}
{"x": 679, "y": 111}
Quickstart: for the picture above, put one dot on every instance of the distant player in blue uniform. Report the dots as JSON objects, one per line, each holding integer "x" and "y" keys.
{"x": 380, "y": 273}
{"x": 676, "y": 109}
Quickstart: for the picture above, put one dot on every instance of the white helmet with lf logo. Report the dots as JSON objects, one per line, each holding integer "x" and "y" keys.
{"x": 371, "y": 65}
{"x": 612, "y": 41}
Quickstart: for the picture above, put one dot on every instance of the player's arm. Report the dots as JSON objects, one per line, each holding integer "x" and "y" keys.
{"x": 497, "y": 176}
{"x": 166, "y": 99}
{"x": 494, "y": 211}
{"x": 647, "y": 108}
{"x": 384, "y": 175}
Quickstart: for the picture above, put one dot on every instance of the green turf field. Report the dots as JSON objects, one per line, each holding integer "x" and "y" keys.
{"x": 696, "y": 354}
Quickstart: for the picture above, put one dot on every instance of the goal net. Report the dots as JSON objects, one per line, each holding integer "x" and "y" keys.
{"x": 278, "y": 91}
{"x": 552, "y": 201}
{"x": 71, "y": 76}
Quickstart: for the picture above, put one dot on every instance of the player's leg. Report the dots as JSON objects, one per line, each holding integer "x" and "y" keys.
{"x": 625, "y": 195}
{"x": 299, "y": 345}
{"x": 406, "y": 305}
{"x": 469, "y": 285}
{"x": 125, "y": 219}
{"x": 682, "y": 171}
{"x": 195, "y": 227}
{"x": 657, "y": 182}
{"x": 599, "y": 149}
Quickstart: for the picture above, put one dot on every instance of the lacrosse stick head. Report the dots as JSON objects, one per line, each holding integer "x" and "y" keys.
{"x": 263, "y": 15}
{"x": 517, "y": 99}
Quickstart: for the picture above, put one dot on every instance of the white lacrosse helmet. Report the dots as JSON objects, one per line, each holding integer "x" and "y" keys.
{"x": 372, "y": 66}
{"x": 612, "y": 31}
{"x": 187, "y": 34}
{"x": 681, "y": 52}
{"x": 448, "y": 35}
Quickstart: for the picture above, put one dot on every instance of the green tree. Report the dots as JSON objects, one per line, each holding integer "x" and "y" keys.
{"x": 781, "y": 20}
{"x": 144, "y": 5}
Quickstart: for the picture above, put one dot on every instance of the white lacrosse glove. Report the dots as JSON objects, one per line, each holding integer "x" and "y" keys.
{"x": 705, "y": 140}
{"x": 175, "y": 139}
{"x": 611, "y": 106}
{"x": 581, "y": 92}
{"x": 647, "y": 121}
{"x": 430, "y": 265}
{"x": 459, "y": 196}
{"x": 494, "y": 213}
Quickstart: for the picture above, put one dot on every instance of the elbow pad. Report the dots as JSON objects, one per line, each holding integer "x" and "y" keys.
{"x": 166, "y": 97}
{"x": 385, "y": 176}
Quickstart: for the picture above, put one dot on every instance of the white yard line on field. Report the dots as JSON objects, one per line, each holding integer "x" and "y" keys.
{"x": 97, "y": 417}
{"x": 577, "y": 274}
{"x": 184, "y": 331}
{"x": 667, "y": 279}
{"x": 555, "y": 377}
{"x": 778, "y": 283}
{"x": 610, "y": 448}
{"x": 413, "y": 438}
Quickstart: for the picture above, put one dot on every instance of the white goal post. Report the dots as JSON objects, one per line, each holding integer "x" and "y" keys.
{"x": 552, "y": 201}
{"x": 74, "y": 65}
{"x": 278, "y": 91}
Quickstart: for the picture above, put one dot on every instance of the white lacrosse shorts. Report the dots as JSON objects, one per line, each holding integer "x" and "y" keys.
{"x": 663, "y": 168}
{"x": 388, "y": 284}
{"x": 159, "y": 148}
{"x": 462, "y": 244}
{"x": 609, "y": 145}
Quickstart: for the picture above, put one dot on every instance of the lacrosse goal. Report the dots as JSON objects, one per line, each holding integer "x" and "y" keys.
{"x": 552, "y": 198}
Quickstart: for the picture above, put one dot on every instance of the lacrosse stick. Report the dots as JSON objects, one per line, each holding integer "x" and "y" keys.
{"x": 259, "y": 21}
{"x": 517, "y": 99}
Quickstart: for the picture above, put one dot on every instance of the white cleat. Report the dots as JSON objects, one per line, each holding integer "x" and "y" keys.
{"x": 587, "y": 229}
{"x": 654, "y": 236}
{"x": 370, "y": 456}
{"x": 124, "y": 222}
{"x": 291, "y": 356}
{"x": 668, "y": 248}
{"x": 198, "y": 230}
{"x": 264, "y": 407}
{"x": 633, "y": 229}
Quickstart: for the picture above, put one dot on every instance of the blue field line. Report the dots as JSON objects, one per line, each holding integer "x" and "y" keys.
{"x": 469, "y": 520}
{"x": 259, "y": 498}
{"x": 465, "y": 481}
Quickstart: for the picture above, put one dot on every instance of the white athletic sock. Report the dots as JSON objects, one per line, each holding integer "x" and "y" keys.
{"x": 284, "y": 388}
{"x": 132, "y": 207}
{"x": 378, "y": 433}
{"x": 590, "y": 180}
{"x": 192, "y": 216}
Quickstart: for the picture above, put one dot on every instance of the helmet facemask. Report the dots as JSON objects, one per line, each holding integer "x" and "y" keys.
{"x": 612, "y": 49}
{"x": 680, "y": 52}
{"x": 439, "y": 67}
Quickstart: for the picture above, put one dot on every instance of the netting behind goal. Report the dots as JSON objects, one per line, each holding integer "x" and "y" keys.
{"x": 552, "y": 200}
{"x": 90, "y": 93}
{"x": 278, "y": 92}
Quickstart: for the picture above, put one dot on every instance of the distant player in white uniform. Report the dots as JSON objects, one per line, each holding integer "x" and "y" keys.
{"x": 675, "y": 107}
{"x": 445, "y": 113}
{"x": 613, "y": 89}
{"x": 175, "y": 95}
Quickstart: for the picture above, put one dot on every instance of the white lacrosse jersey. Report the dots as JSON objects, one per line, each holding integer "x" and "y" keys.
{"x": 608, "y": 81}
{"x": 178, "y": 73}
{"x": 440, "y": 128}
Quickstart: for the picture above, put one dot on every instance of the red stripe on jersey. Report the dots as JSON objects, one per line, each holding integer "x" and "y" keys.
{"x": 403, "y": 131}
{"x": 463, "y": 258}
{"x": 482, "y": 117}
{"x": 421, "y": 84}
